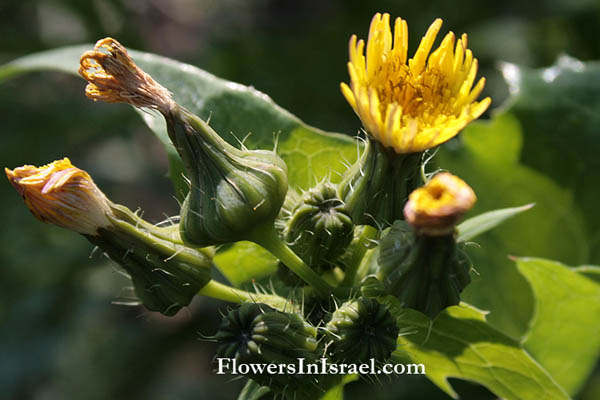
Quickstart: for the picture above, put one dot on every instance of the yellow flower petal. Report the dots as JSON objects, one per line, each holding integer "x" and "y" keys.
{"x": 416, "y": 104}
{"x": 435, "y": 208}
{"x": 63, "y": 195}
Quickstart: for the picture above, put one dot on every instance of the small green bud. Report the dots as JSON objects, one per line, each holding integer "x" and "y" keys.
{"x": 233, "y": 191}
{"x": 165, "y": 275}
{"x": 361, "y": 329}
{"x": 426, "y": 273}
{"x": 255, "y": 333}
{"x": 376, "y": 187}
{"x": 319, "y": 230}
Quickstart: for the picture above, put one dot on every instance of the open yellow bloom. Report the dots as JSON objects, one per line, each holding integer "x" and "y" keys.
{"x": 434, "y": 209}
{"x": 63, "y": 195}
{"x": 412, "y": 105}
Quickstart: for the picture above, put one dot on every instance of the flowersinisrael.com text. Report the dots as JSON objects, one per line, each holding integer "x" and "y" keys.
{"x": 323, "y": 367}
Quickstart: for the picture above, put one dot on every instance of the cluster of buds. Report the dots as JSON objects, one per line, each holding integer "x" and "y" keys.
{"x": 359, "y": 331}
{"x": 407, "y": 106}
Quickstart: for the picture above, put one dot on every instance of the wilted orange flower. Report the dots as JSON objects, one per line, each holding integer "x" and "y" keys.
{"x": 114, "y": 78}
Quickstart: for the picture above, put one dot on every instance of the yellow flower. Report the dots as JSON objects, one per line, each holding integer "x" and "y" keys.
{"x": 114, "y": 78}
{"x": 61, "y": 194}
{"x": 435, "y": 208}
{"x": 416, "y": 104}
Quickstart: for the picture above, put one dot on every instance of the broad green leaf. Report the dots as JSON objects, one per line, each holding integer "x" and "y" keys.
{"x": 459, "y": 343}
{"x": 564, "y": 334}
{"x": 558, "y": 109}
{"x": 238, "y": 113}
{"x": 482, "y": 223}
{"x": 487, "y": 157}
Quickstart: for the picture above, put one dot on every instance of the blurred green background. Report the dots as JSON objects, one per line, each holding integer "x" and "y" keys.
{"x": 60, "y": 336}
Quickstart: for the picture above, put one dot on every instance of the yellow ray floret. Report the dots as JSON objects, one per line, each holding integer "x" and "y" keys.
{"x": 435, "y": 208}
{"x": 61, "y": 194}
{"x": 113, "y": 77}
{"x": 412, "y": 105}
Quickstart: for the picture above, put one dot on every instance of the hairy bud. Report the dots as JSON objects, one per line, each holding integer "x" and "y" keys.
{"x": 361, "y": 329}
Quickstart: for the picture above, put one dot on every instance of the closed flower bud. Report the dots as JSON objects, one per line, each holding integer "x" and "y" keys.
{"x": 435, "y": 208}
{"x": 255, "y": 333}
{"x": 233, "y": 192}
{"x": 376, "y": 187}
{"x": 166, "y": 275}
{"x": 319, "y": 230}
{"x": 63, "y": 195}
{"x": 361, "y": 330}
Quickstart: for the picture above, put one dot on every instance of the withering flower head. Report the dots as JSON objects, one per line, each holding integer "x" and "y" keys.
{"x": 63, "y": 195}
{"x": 435, "y": 208}
{"x": 412, "y": 104}
{"x": 114, "y": 78}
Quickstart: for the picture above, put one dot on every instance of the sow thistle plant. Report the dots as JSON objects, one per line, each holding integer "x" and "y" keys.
{"x": 353, "y": 256}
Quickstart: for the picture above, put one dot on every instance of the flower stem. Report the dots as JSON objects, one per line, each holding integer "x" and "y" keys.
{"x": 368, "y": 234}
{"x": 219, "y": 291}
{"x": 268, "y": 238}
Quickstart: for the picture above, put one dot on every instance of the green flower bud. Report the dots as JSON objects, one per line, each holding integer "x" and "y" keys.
{"x": 255, "y": 332}
{"x": 233, "y": 191}
{"x": 258, "y": 334}
{"x": 426, "y": 273}
{"x": 319, "y": 230}
{"x": 376, "y": 187}
{"x": 361, "y": 329}
{"x": 166, "y": 276}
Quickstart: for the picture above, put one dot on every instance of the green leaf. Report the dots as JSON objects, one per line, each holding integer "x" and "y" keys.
{"x": 591, "y": 271}
{"x": 482, "y": 223}
{"x": 487, "y": 157}
{"x": 558, "y": 109}
{"x": 235, "y": 112}
{"x": 459, "y": 343}
{"x": 244, "y": 261}
{"x": 564, "y": 333}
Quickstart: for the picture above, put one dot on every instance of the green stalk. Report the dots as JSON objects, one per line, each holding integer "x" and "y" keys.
{"x": 367, "y": 235}
{"x": 270, "y": 240}
{"x": 219, "y": 291}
